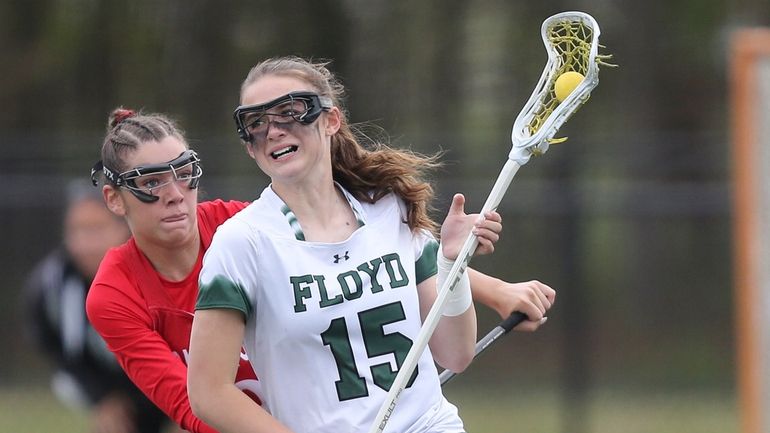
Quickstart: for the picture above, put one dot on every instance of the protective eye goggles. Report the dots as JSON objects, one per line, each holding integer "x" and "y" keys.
{"x": 144, "y": 181}
{"x": 252, "y": 121}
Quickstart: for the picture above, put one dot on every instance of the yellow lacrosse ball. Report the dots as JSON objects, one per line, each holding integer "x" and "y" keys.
{"x": 566, "y": 83}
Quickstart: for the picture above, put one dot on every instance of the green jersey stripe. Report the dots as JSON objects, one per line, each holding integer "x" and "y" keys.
{"x": 223, "y": 293}
{"x": 426, "y": 266}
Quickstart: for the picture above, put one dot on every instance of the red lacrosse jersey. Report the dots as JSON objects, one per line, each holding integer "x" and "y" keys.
{"x": 146, "y": 320}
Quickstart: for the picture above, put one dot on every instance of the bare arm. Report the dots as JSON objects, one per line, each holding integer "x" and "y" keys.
{"x": 453, "y": 342}
{"x": 215, "y": 347}
{"x": 532, "y": 298}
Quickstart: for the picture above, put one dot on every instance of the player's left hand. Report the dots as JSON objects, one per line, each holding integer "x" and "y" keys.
{"x": 532, "y": 298}
{"x": 458, "y": 224}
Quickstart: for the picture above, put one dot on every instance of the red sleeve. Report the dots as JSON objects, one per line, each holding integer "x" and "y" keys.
{"x": 212, "y": 214}
{"x": 119, "y": 314}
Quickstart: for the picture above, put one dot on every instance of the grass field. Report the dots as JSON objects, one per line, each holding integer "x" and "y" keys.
{"x": 605, "y": 412}
{"x": 34, "y": 410}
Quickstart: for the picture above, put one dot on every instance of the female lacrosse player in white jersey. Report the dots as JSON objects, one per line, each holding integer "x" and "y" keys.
{"x": 326, "y": 277}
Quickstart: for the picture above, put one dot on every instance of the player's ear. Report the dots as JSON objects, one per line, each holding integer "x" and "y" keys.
{"x": 114, "y": 200}
{"x": 333, "y": 121}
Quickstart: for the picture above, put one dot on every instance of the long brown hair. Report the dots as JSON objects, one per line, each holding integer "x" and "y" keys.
{"x": 369, "y": 173}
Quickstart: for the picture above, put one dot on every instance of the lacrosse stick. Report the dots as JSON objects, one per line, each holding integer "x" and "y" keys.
{"x": 572, "y": 42}
{"x": 503, "y": 328}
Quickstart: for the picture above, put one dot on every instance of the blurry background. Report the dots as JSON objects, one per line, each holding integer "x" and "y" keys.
{"x": 629, "y": 220}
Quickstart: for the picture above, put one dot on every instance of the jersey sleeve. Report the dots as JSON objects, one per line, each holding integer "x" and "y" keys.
{"x": 424, "y": 244}
{"x": 228, "y": 270}
{"x": 124, "y": 323}
{"x": 425, "y": 249}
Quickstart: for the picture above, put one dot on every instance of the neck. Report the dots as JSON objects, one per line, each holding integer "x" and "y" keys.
{"x": 321, "y": 210}
{"x": 172, "y": 262}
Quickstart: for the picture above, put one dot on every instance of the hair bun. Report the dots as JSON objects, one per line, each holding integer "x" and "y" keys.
{"x": 119, "y": 115}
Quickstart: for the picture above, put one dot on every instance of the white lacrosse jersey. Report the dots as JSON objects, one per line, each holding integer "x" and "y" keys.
{"x": 329, "y": 324}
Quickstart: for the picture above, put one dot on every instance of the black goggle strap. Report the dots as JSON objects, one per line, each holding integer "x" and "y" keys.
{"x": 315, "y": 105}
{"x": 111, "y": 175}
{"x": 118, "y": 180}
{"x": 128, "y": 178}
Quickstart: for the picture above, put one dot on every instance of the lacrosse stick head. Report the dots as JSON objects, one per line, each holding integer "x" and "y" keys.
{"x": 572, "y": 42}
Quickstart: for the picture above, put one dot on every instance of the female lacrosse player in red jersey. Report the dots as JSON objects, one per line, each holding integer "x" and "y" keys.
{"x": 144, "y": 294}
{"x": 327, "y": 276}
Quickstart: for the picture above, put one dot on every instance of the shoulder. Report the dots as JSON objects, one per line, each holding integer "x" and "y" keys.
{"x": 112, "y": 276}
{"x": 385, "y": 207}
{"x": 232, "y": 254}
{"x": 219, "y": 211}
{"x": 113, "y": 288}
{"x": 212, "y": 214}
{"x": 265, "y": 214}
{"x": 233, "y": 233}
{"x": 238, "y": 238}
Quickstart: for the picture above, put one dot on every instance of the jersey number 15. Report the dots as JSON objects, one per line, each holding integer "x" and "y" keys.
{"x": 351, "y": 385}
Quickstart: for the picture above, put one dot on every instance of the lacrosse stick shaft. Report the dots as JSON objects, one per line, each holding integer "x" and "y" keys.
{"x": 431, "y": 320}
{"x": 503, "y": 328}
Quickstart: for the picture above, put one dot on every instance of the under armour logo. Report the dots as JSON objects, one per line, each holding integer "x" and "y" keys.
{"x": 337, "y": 257}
